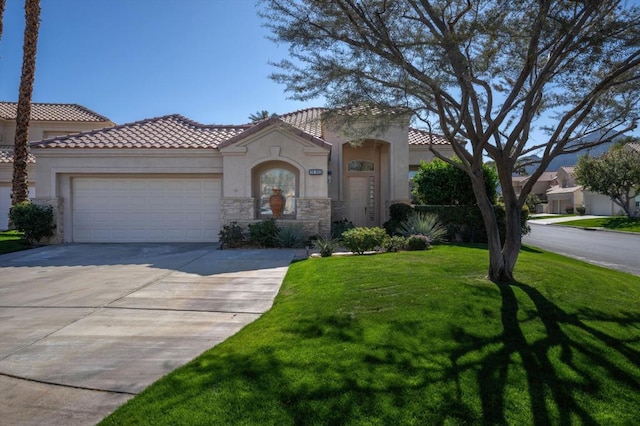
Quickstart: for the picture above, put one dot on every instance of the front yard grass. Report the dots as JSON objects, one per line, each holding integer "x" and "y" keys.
{"x": 420, "y": 338}
{"x": 11, "y": 241}
{"x": 618, "y": 223}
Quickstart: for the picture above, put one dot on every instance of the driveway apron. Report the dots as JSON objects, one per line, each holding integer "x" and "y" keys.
{"x": 84, "y": 327}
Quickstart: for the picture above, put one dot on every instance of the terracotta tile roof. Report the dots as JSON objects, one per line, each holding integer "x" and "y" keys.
{"x": 6, "y": 155}
{"x": 271, "y": 121}
{"x": 52, "y": 112}
{"x": 422, "y": 137}
{"x": 176, "y": 131}
{"x": 559, "y": 190}
{"x": 308, "y": 120}
{"x": 634, "y": 146}
{"x": 170, "y": 131}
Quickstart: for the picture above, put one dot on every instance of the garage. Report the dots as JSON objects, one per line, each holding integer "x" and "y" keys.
{"x": 145, "y": 209}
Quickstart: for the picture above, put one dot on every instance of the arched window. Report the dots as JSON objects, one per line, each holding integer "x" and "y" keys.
{"x": 276, "y": 178}
{"x": 360, "y": 166}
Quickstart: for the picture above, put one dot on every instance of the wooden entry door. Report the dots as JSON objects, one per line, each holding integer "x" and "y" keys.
{"x": 362, "y": 200}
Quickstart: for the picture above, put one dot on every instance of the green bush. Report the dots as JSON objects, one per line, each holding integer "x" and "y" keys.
{"x": 231, "y": 235}
{"x": 398, "y": 213}
{"x": 418, "y": 242}
{"x": 35, "y": 221}
{"x": 264, "y": 233}
{"x": 581, "y": 210}
{"x": 569, "y": 210}
{"x": 466, "y": 223}
{"x": 291, "y": 236}
{"x": 338, "y": 227}
{"x": 359, "y": 240}
{"x": 425, "y": 224}
{"x": 395, "y": 243}
{"x": 326, "y": 246}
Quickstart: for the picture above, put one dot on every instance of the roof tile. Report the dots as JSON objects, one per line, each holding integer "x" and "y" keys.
{"x": 6, "y": 155}
{"x": 170, "y": 131}
{"x": 176, "y": 131}
{"x": 52, "y": 112}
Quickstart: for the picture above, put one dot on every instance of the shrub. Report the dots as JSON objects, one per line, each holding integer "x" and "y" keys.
{"x": 231, "y": 235}
{"x": 395, "y": 243}
{"x": 35, "y": 221}
{"x": 466, "y": 222}
{"x": 338, "y": 227}
{"x": 532, "y": 201}
{"x": 326, "y": 246}
{"x": 569, "y": 210}
{"x": 418, "y": 242}
{"x": 425, "y": 224}
{"x": 581, "y": 210}
{"x": 264, "y": 233}
{"x": 398, "y": 213}
{"x": 291, "y": 236}
{"x": 359, "y": 240}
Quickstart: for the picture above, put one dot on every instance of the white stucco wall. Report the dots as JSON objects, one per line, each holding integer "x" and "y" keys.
{"x": 274, "y": 143}
{"x": 38, "y": 129}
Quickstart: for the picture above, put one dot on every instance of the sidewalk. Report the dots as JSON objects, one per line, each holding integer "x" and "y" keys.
{"x": 548, "y": 219}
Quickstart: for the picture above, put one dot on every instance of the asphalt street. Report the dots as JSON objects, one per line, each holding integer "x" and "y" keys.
{"x": 613, "y": 250}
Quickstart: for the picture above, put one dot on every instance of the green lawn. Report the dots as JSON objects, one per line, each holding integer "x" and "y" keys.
{"x": 11, "y": 241}
{"x": 619, "y": 223}
{"x": 420, "y": 338}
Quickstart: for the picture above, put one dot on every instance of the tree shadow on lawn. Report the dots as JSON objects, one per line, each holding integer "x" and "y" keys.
{"x": 552, "y": 392}
{"x": 620, "y": 222}
{"x": 339, "y": 374}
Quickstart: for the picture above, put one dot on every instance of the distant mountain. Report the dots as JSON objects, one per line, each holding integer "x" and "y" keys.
{"x": 569, "y": 160}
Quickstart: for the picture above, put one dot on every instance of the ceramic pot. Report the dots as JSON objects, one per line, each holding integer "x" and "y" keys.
{"x": 276, "y": 202}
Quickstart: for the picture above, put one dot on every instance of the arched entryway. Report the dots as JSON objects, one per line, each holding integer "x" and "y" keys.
{"x": 365, "y": 184}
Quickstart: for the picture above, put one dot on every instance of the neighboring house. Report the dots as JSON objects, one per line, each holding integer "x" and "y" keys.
{"x": 541, "y": 186}
{"x": 172, "y": 179}
{"x": 564, "y": 192}
{"x": 47, "y": 120}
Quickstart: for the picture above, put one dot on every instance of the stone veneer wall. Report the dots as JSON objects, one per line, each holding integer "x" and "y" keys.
{"x": 313, "y": 214}
{"x": 58, "y": 221}
{"x": 237, "y": 209}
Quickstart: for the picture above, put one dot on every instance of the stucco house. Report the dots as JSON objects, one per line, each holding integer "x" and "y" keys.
{"x": 540, "y": 187}
{"x": 172, "y": 179}
{"x": 47, "y": 120}
{"x": 564, "y": 192}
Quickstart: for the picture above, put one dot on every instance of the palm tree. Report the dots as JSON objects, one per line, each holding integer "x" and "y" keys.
{"x": 260, "y": 116}
{"x": 2, "y": 4}
{"x": 21, "y": 144}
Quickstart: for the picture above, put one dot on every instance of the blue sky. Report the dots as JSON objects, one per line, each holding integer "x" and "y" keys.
{"x": 135, "y": 59}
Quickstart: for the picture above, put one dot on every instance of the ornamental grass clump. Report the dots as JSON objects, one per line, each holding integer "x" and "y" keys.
{"x": 291, "y": 236}
{"x": 325, "y": 246}
{"x": 428, "y": 225}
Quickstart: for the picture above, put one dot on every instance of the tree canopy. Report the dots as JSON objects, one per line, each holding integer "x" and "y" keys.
{"x": 486, "y": 74}
{"x": 615, "y": 173}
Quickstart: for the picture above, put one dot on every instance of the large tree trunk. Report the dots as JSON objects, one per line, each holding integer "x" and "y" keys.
{"x": 23, "y": 114}
{"x": 500, "y": 266}
{"x": 512, "y": 238}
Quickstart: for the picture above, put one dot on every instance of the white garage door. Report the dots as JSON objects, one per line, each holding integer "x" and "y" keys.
{"x": 146, "y": 209}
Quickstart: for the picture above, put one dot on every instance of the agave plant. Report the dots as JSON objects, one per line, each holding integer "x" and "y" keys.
{"x": 425, "y": 224}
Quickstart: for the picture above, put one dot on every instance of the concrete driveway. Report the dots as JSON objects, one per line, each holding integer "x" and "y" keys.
{"x": 84, "y": 327}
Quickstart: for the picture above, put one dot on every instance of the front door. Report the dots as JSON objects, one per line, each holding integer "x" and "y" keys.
{"x": 362, "y": 200}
